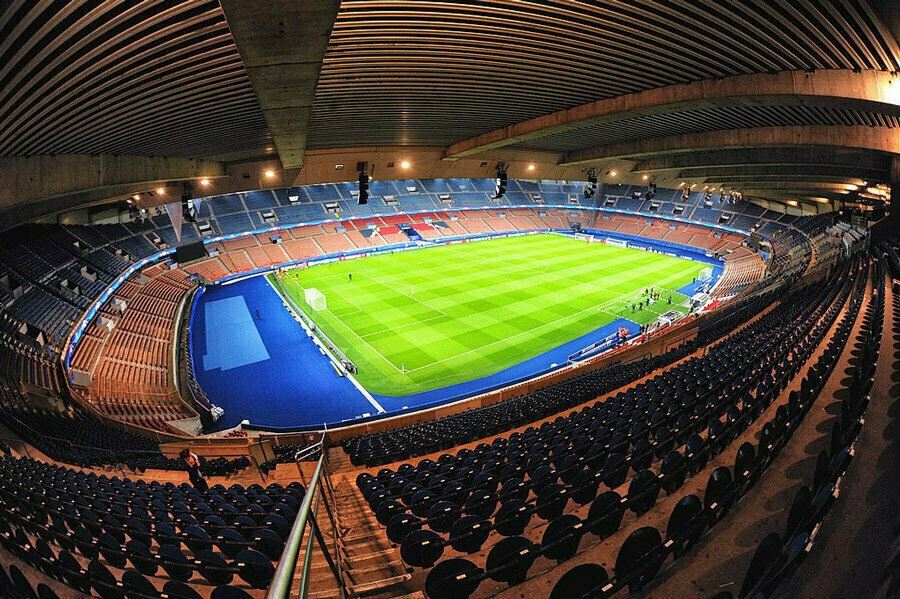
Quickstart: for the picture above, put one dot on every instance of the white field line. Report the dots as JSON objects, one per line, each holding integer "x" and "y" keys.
{"x": 426, "y": 304}
{"x": 346, "y": 299}
{"x": 506, "y": 339}
{"x": 355, "y": 334}
{"x": 409, "y": 324}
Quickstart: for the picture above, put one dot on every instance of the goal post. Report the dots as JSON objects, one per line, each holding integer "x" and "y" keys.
{"x": 315, "y": 299}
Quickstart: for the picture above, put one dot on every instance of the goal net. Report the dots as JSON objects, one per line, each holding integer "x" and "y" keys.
{"x": 706, "y": 273}
{"x": 315, "y": 299}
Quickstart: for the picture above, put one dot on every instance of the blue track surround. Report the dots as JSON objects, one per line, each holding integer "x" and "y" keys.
{"x": 272, "y": 375}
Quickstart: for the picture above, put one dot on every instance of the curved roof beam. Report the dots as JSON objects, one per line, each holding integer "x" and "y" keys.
{"x": 864, "y": 138}
{"x": 870, "y": 91}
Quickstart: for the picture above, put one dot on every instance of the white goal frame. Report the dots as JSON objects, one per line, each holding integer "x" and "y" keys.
{"x": 315, "y": 299}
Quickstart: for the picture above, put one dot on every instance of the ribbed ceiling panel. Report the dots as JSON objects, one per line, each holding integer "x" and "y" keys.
{"x": 431, "y": 72}
{"x": 151, "y": 77}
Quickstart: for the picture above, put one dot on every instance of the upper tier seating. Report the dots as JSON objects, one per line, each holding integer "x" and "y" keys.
{"x": 742, "y": 268}
{"x": 42, "y": 256}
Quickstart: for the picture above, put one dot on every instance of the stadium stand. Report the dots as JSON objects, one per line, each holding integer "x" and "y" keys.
{"x": 588, "y": 457}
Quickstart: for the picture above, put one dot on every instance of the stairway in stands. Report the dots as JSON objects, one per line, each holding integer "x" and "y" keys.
{"x": 374, "y": 567}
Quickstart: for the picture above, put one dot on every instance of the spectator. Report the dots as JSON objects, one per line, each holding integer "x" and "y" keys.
{"x": 192, "y": 463}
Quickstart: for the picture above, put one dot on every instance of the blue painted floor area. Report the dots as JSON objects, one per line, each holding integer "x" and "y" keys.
{"x": 535, "y": 366}
{"x": 228, "y": 319}
{"x": 266, "y": 371}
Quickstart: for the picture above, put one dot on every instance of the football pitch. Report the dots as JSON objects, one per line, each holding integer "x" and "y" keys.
{"x": 418, "y": 320}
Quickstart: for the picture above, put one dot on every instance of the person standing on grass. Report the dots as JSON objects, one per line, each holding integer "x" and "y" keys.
{"x": 349, "y": 277}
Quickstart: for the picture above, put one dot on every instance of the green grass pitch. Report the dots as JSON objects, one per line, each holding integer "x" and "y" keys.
{"x": 418, "y": 320}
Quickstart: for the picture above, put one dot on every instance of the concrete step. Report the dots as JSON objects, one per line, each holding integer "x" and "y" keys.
{"x": 366, "y": 560}
{"x": 380, "y": 572}
{"x": 378, "y": 586}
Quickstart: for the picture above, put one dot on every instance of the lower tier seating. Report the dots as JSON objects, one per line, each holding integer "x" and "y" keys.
{"x": 108, "y": 536}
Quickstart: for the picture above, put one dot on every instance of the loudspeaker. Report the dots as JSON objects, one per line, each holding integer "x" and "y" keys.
{"x": 363, "y": 189}
{"x": 500, "y": 186}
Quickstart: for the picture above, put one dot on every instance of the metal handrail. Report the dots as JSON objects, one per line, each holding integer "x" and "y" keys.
{"x": 307, "y": 557}
{"x": 284, "y": 573}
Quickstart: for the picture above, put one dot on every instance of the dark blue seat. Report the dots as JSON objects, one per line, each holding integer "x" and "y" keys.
{"x": 213, "y": 567}
{"x": 605, "y": 514}
{"x": 229, "y": 592}
{"x": 643, "y": 491}
{"x": 687, "y": 523}
{"x": 510, "y": 559}
{"x": 512, "y": 517}
{"x": 763, "y": 560}
{"x": 481, "y": 502}
{"x": 136, "y": 585}
{"x": 175, "y": 563}
{"x": 561, "y": 538}
{"x": 103, "y": 582}
{"x": 400, "y": 526}
{"x": 453, "y": 579}
{"x": 584, "y": 486}
{"x": 469, "y": 533}
{"x": 254, "y": 568}
{"x": 585, "y": 580}
{"x": 20, "y": 583}
{"x": 268, "y": 543}
{"x": 422, "y": 548}
{"x": 551, "y": 501}
{"x": 179, "y": 590}
{"x": 442, "y": 515}
{"x": 640, "y": 558}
